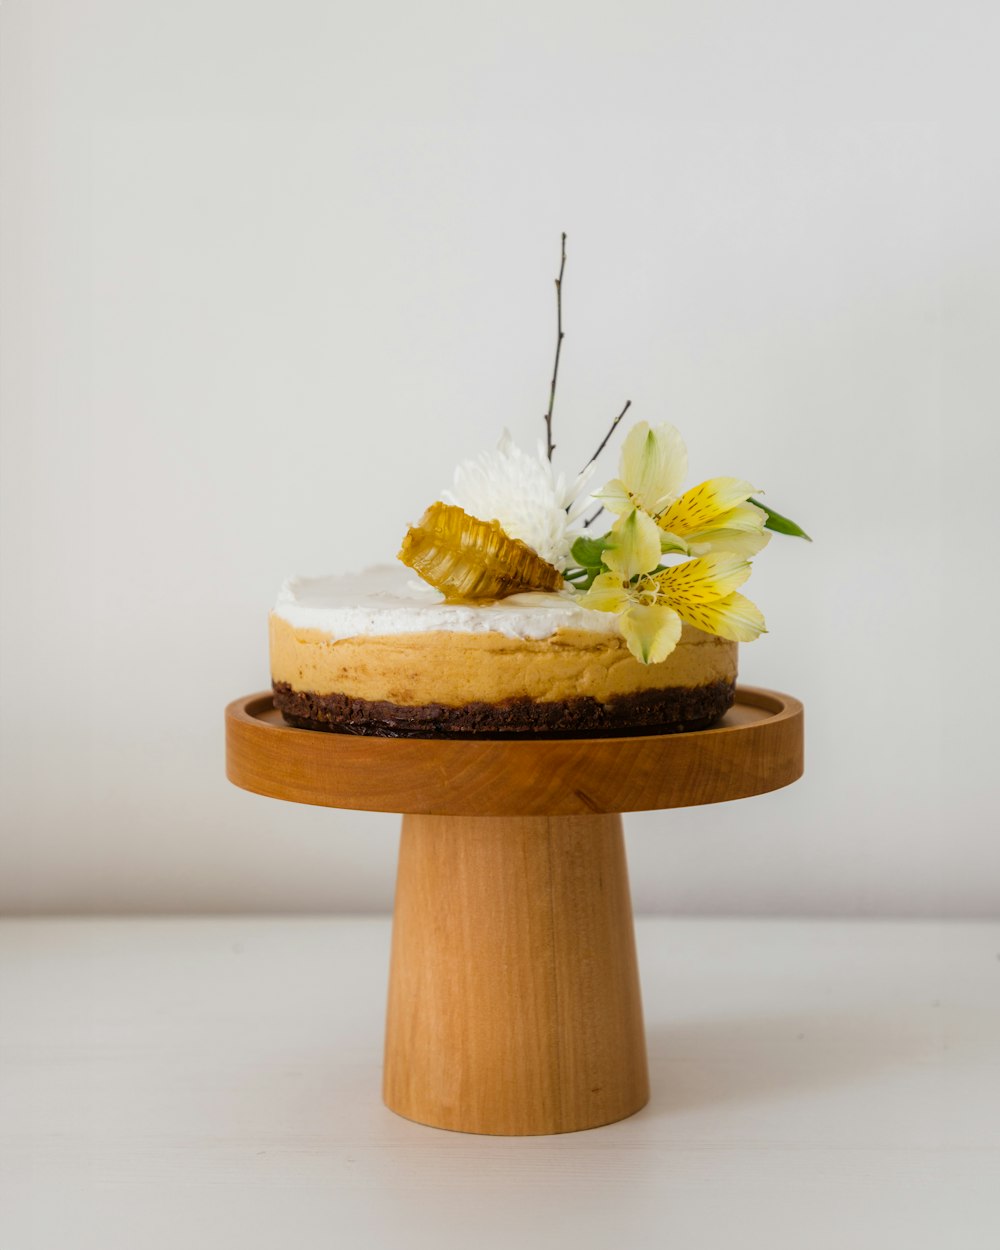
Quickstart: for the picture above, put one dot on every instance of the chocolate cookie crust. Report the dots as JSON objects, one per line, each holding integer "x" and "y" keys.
{"x": 675, "y": 709}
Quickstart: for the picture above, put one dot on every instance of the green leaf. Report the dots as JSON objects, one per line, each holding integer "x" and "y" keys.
{"x": 583, "y": 579}
{"x": 589, "y": 552}
{"x": 780, "y": 524}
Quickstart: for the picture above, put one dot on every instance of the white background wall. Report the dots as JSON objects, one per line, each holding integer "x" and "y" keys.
{"x": 269, "y": 270}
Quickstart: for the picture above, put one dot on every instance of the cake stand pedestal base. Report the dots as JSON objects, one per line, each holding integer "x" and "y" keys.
{"x": 513, "y": 993}
{"x": 514, "y": 1004}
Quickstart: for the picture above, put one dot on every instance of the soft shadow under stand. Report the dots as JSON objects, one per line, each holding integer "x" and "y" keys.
{"x": 514, "y": 1004}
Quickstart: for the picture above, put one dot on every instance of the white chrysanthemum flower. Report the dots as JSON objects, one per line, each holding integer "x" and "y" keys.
{"x": 525, "y": 495}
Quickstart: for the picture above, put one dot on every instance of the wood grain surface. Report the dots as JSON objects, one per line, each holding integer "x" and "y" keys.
{"x": 757, "y": 747}
{"x": 514, "y": 1003}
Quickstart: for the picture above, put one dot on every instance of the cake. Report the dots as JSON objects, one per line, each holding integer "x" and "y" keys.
{"x": 513, "y": 617}
{"x": 381, "y": 653}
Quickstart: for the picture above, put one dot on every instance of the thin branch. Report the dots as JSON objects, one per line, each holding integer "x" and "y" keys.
{"x": 604, "y": 440}
{"x": 550, "y": 446}
{"x": 593, "y": 517}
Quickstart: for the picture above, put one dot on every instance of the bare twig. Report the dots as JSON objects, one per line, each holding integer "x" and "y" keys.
{"x": 550, "y": 446}
{"x": 593, "y": 517}
{"x": 604, "y": 440}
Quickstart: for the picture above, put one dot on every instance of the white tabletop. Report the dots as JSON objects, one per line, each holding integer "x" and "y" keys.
{"x": 215, "y": 1083}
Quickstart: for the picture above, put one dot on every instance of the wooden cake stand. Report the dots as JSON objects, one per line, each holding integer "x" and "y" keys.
{"x": 514, "y": 1002}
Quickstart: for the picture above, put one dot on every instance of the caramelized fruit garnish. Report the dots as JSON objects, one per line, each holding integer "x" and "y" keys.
{"x": 466, "y": 558}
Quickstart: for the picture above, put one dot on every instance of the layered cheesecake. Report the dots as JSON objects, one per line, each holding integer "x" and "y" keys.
{"x": 526, "y": 619}
{"x": 382, "y": 653}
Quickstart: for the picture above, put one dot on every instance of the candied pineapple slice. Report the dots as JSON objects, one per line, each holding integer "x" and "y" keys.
{"x": 466, "y": 558}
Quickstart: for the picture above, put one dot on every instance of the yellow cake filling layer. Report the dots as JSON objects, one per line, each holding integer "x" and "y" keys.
{"x": 458, "y": 668}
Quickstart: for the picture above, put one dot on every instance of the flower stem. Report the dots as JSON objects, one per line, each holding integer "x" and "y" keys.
{"x": 604, "y": 441}
{"x": 550, "y": 446}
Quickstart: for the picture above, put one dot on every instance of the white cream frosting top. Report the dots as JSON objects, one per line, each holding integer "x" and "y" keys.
{"x": 389, "y": 599}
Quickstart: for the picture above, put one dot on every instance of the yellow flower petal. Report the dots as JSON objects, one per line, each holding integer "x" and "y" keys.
{"x": 607, "y": 594}
{"x": 633, "y": 545}
{"x": 736, "y": 542}
{"x": 745, "y": 516}
{"x": 670, "y": 544}
{"x": 740, "y": 531}
{"x": 703, "y": 505}
{"x": 615, "y": 496}
{"x": 701, "y": 581}
{"x": 653, "y": 465}
{"x": 651, "y": 631}
{"x": 734, "y": 617}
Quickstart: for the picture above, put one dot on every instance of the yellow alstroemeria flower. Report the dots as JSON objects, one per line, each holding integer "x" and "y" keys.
{"x": 714, "y": 516}
{"x": 652, "y": 602}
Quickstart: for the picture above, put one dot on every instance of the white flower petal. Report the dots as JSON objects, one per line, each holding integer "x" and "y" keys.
{"x": 522, "y": 493}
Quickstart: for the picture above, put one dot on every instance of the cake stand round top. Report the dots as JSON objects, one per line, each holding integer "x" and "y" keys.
{"x": 756, "y": 747}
